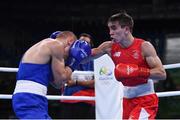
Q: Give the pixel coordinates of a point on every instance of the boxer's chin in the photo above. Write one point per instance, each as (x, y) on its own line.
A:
(114, 40)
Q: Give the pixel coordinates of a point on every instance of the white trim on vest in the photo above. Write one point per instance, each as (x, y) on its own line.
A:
(27, 86)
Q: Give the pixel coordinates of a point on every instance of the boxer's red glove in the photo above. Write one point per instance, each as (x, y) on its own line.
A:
(123, 71)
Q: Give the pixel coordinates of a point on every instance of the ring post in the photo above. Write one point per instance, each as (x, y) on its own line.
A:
(108, 91)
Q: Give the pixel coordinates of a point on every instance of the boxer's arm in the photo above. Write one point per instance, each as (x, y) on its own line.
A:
(61, 73)
(102, 48)
(86, 83)
(157, 71)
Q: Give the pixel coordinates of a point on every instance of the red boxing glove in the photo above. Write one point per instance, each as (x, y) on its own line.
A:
(123, 71)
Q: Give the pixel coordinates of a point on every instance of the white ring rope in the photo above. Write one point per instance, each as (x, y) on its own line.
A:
(56, 97)
(172, 66)
(8, 69)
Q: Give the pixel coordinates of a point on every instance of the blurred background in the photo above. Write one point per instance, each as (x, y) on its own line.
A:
(24, 23)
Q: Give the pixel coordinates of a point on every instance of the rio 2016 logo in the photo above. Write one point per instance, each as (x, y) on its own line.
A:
(105, 71)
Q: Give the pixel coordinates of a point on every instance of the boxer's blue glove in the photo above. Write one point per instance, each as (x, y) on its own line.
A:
(54, 34)
(79, 50)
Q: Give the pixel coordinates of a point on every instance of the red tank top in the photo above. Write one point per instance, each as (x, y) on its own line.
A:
(130, 55)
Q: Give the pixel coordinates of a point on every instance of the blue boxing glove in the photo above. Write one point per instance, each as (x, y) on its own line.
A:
(54, 34)
(79, 50)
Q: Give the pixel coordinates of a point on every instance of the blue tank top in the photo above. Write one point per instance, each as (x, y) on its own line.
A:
(40, 73)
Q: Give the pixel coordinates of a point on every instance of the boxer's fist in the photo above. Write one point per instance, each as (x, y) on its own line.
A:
(78, 51)
(54, 34)
(124, 71)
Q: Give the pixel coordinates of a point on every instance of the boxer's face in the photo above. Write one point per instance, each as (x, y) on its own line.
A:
(117, 33)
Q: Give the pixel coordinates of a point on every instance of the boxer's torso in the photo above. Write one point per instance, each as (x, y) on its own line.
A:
(40, 73)
(130, 55)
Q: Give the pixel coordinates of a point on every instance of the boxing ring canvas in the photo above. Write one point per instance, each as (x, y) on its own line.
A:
(108, 91)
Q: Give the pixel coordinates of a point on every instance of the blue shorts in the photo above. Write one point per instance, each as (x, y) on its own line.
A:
(30, 106)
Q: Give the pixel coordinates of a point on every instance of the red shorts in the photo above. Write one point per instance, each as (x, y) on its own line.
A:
(143, 107)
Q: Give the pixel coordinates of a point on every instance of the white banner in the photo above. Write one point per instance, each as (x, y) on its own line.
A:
(108, 91)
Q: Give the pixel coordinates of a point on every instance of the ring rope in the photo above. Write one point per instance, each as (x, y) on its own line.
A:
(8, 69)
(172, 66)
(56, 97)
